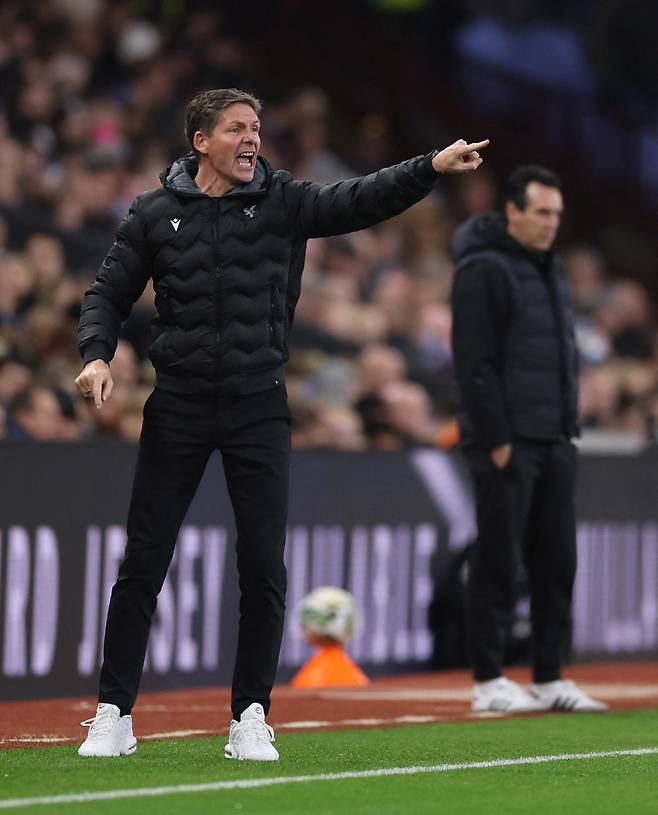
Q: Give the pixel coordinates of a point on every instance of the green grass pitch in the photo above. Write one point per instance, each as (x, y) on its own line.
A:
(616, 785)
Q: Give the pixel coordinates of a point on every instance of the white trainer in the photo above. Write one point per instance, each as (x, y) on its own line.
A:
(564, 694)
(501, 695)
(251, 738)
(110, 733)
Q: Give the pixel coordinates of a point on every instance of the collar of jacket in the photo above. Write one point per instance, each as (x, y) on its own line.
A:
(179, 179)
(488, 231)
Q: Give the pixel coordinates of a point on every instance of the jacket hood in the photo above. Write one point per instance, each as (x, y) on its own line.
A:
(179, 178)
(485, 231)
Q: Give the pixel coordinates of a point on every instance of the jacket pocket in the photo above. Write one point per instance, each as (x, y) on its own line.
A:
(163, 306)
(159, 349)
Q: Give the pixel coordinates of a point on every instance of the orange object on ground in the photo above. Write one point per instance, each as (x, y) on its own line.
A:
(330, 665)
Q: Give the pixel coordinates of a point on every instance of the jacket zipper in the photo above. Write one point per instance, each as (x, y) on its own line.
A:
(273, 294)
(558, 305)
(218, 283)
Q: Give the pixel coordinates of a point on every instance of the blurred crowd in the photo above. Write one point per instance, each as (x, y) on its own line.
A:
(92, 111)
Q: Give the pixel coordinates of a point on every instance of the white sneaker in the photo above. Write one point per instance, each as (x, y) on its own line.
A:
(501, 695)
(110, 733)
(251, 738)
(563, 694)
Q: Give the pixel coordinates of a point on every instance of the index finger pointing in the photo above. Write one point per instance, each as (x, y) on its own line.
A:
(98, 387)
(476, 145)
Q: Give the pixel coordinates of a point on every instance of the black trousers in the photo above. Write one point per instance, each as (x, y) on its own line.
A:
(178, 436)
(525, 514)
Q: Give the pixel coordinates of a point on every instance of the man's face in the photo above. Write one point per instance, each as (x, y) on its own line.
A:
(233, 145)
(535, 227)
(43, 419)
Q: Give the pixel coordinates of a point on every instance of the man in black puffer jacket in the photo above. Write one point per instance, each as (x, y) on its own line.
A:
(515, 360)
(223, 240)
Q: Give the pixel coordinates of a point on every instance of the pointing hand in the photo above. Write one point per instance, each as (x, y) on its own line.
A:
(460, 157)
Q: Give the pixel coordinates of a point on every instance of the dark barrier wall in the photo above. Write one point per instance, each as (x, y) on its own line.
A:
(388, 527)
(616, 592)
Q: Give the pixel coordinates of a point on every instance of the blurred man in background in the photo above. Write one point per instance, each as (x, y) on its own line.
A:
(35, 414)
(224, 240)
(516, 366)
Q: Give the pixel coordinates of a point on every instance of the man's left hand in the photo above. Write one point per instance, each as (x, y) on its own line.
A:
(460, 157)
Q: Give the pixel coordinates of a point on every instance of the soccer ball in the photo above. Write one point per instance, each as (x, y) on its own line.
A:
(328, 616)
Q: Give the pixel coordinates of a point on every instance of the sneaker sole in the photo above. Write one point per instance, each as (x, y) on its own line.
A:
(230, 753)
(125, 751)
(510, 709)
(578, 709)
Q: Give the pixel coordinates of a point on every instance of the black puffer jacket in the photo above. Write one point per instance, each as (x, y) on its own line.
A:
(513, 339)
(227, 271)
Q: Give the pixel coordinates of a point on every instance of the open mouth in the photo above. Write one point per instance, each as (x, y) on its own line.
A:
(246, 159)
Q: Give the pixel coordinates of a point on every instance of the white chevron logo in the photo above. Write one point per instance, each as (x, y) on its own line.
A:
(175, 222)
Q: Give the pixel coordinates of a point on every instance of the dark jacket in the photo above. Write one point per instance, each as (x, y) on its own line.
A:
(227, 271)
(513, 339)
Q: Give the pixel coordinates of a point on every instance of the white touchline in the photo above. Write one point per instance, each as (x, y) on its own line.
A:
(170, 734)
(176, 734)
(602, 690)
(109, 795)
(358, 722)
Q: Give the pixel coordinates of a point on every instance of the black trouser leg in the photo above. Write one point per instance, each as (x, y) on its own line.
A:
(502, 500)
(551, 559)
(256, 454)
(176, 442)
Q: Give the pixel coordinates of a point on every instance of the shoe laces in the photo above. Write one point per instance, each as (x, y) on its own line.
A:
(570, 688)
(102, 723)
(567, 686)
(568, 695)
(508, 686)
(253, 728)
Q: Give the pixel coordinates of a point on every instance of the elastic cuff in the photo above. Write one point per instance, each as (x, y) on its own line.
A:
(97, 350)
(492, 445)
(495, 436)
(426, 169)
